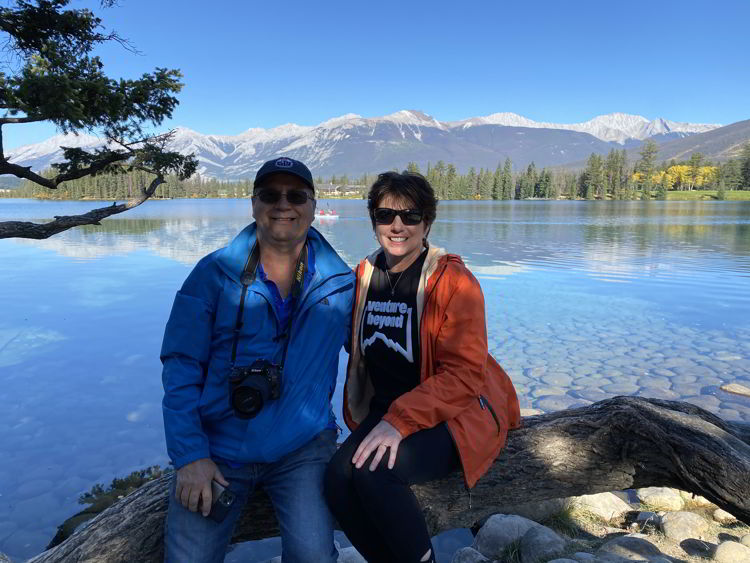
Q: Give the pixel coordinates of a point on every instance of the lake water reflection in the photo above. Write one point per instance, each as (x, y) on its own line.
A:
(585, 300)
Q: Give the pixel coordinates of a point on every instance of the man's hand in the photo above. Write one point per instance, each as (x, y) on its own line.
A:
(382, 437)
(194, 484)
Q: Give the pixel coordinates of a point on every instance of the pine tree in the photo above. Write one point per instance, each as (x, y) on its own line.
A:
(507, 181)
(645, 166)
(592, 178)
(721, 193)
(451, 182)
(497, 183)
(745, 167)
(731, 174)
(663, 187)
(49, 74)
(469, 190)
(694, 163)
(485, 184)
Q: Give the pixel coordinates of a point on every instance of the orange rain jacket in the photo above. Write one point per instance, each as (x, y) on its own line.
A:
(460, 382)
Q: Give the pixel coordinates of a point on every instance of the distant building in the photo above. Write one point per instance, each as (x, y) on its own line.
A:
(339, 190)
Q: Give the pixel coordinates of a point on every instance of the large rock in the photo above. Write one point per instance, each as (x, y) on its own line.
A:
(540, 543)
(745, 540)
(537, 511)
(695, 500)
(633, 547)
(732, 552)
(499, 532)
(661, 498)
(468, 555)
(736, 388)
(583, 557)
(679, 526)
(604, 505)
(723, 517)
(647, 518)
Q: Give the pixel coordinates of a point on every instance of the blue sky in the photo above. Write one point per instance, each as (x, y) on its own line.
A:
(261, 64)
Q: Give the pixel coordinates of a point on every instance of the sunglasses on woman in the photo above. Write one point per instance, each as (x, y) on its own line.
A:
(294, 197)
(385, 216)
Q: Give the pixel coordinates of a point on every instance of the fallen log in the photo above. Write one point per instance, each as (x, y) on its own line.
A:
(615, 444)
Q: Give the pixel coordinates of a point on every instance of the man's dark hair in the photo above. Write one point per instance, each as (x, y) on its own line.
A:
(410, 186)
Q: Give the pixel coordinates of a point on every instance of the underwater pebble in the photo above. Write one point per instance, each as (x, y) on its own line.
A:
(659, 393)
(621, 388)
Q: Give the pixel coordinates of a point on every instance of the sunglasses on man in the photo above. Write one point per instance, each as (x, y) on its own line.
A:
(294, 197)
(385, 216)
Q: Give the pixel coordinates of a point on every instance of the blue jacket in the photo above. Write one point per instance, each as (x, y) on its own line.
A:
(196, 353)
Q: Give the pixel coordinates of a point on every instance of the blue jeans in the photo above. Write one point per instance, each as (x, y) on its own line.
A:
(295, 486)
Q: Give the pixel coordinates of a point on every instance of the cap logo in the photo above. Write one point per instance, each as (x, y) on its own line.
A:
(284, 163)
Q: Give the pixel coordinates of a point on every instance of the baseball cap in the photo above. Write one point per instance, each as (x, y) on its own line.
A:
(286, 166)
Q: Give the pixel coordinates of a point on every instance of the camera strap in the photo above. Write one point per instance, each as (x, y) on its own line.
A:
(248, 277)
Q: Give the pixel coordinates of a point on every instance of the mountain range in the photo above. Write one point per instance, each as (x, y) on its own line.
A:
(351, 144)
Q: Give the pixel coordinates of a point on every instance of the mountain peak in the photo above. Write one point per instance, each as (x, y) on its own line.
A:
(353, 144)
(411, 117)
(340, 120)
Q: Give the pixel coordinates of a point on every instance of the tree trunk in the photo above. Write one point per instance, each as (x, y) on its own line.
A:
(616, 444)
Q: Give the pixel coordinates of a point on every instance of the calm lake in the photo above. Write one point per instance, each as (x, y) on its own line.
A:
(585, 300)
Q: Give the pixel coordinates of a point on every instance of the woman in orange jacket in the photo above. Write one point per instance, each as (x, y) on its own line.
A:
(423, 396)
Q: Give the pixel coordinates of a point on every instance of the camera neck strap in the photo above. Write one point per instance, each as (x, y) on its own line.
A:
(248, 277)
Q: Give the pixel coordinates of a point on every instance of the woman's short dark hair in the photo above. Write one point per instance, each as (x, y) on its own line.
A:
(410, 186)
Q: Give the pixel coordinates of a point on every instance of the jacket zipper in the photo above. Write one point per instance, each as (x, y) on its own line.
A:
(484, 403)
(428, 296)
(309, 292)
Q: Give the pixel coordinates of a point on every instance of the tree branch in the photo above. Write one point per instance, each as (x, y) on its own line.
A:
(6, 120)
(92, 169)
(620, 443)
(52, 183)
(21, 229)
(25, 172)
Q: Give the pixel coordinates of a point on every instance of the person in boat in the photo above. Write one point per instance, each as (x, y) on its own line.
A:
(423, 396)
(250, 357)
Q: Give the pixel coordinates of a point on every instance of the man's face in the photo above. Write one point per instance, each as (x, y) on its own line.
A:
(283, 223)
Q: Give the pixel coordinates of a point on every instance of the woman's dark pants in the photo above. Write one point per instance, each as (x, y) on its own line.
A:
(376, 509)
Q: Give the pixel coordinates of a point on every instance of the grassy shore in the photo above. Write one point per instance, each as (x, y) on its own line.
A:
(708, 195)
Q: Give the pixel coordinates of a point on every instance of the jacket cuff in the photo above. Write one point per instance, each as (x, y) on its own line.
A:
(399, 424)
(183, 460)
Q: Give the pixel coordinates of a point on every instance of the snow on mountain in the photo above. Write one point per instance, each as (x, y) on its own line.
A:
(506, 119)
(52, 145)
(186, 141)
(342, 120)
(660, 126)
(411, 117)
(613, 127)
(350, 142)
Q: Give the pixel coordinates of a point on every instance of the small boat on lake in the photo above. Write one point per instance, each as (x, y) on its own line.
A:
(326, 214)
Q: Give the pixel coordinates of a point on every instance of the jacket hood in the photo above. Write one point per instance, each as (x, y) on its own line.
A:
(232, 258)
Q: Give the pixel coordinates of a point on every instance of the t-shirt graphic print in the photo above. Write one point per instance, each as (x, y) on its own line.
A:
(389, 332)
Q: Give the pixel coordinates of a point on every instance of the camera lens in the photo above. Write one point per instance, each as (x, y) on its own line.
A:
(247, 401)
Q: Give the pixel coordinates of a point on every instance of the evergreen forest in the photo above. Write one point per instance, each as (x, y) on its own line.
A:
(613, 176)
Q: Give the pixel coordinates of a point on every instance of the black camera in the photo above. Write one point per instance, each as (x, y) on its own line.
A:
(251, 386)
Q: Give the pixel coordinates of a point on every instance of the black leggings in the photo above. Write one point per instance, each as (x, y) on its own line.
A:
(376, 509)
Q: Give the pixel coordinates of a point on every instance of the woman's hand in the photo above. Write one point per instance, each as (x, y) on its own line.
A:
(383, 436)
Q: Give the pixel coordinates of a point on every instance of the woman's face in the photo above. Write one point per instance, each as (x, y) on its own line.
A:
(402, 243)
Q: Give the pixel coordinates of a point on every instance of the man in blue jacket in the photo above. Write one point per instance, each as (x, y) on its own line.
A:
(250, 357)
